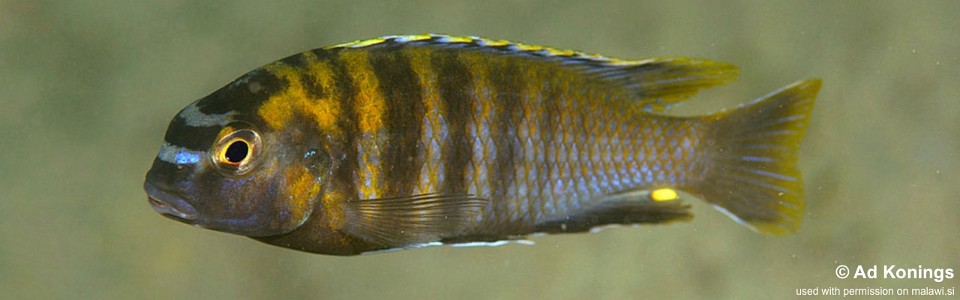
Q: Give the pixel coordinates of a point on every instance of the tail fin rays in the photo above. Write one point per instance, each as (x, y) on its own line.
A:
(751, 174)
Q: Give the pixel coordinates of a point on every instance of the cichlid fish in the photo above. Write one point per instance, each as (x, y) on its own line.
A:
(410, 141)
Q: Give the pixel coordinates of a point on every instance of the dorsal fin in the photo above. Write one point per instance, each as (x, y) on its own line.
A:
(657, 82)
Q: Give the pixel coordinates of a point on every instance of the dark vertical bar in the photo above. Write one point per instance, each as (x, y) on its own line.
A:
(347, 139)
(401, 91)
(549, 120)
(507, 85)
(455, 83)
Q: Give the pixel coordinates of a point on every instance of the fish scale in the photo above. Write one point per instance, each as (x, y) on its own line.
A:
(407, 141)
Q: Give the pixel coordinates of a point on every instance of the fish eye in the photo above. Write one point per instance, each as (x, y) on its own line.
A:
(236, 150)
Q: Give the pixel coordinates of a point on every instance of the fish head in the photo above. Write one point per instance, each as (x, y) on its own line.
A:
(221, 168)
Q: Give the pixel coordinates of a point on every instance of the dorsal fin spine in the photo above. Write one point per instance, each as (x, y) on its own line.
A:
(502, 45)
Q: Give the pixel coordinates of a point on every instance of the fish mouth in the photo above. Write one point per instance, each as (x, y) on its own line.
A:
(169, 205)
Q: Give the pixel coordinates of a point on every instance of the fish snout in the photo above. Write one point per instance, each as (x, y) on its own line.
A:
(169, 205)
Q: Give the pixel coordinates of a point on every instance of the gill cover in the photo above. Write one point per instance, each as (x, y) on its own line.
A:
(220, 169)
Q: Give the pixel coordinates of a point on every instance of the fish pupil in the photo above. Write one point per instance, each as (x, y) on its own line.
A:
(237, 151)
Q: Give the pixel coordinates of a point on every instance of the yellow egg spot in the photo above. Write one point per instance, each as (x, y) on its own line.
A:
(664, 195)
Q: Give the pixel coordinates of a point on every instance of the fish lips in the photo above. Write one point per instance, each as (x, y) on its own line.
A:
(169, 205)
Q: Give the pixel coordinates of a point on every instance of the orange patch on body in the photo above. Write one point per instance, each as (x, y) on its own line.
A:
(370, 109)
(280, 108)
(333, 202)
(369, 103)
(302, 189)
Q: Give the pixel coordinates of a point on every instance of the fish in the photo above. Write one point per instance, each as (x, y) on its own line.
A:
(408, 141)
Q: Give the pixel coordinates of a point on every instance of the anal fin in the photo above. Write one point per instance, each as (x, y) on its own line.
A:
(404, 221)
(634, 207)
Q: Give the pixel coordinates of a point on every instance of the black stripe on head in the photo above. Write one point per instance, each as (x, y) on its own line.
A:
(190, 137)
(507, 84)
(401, 91)
(243, 95)
(455, 81)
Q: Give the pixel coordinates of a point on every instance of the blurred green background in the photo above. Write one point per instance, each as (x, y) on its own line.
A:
(87, 89)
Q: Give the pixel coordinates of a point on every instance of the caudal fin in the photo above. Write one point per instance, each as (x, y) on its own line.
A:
(751, 171)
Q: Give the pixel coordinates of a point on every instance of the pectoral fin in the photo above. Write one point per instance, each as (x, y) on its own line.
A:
(406, 221)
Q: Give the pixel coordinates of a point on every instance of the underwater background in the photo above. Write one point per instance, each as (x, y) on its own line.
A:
(87, 89)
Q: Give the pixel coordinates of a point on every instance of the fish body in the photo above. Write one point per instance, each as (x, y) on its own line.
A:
(405, 141)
